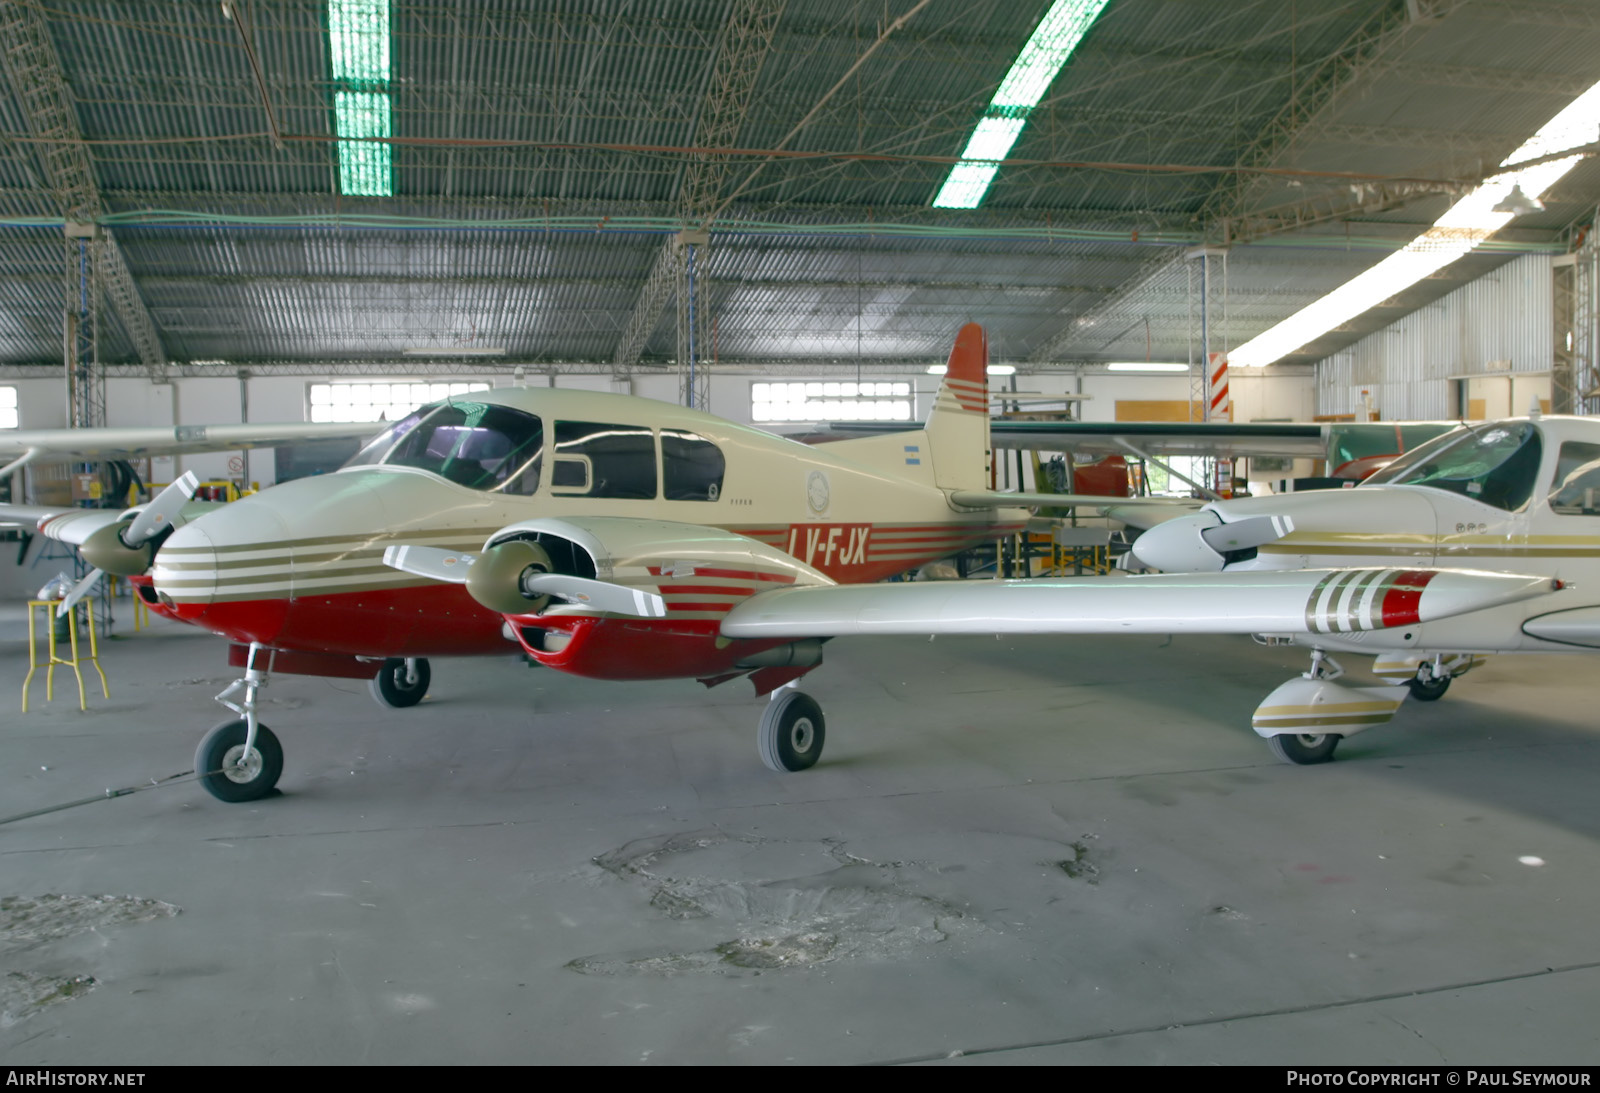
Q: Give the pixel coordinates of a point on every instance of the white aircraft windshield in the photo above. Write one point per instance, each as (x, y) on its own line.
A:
(1496, 464)
(474, 444)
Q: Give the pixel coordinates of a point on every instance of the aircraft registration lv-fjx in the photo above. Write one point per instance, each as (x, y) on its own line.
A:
(625, 539)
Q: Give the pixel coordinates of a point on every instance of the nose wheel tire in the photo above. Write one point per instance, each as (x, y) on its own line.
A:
(391, 686)
(1304, 748)
(231, 774)
(792, 732)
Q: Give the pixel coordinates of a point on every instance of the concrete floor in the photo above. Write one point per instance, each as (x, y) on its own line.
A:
(1016, 851)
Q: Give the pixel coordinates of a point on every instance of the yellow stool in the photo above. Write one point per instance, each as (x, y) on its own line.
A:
(141, 613)
(48, 609)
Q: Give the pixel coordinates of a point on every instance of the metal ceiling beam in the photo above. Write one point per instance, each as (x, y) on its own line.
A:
(36, 79)
(1317, 94)
(743, 47)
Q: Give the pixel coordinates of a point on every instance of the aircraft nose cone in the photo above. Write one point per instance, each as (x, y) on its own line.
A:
(223, 553)
(1176, 546)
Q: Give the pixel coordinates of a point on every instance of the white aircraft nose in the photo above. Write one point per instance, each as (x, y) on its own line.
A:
(231, 547)
(1176, 546)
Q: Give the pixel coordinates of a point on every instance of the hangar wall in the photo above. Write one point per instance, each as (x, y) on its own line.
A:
(1502, 322)
(204, 400)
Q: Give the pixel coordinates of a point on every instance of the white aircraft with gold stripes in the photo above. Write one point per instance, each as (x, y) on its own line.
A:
(1518, 497)
(623, 538)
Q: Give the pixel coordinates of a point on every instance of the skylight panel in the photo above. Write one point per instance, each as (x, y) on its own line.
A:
(1460, 230)
(358, 50)
(1031, 74)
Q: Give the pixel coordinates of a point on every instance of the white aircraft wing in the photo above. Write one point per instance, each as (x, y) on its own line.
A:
(66, 445)
(1219, 439)
(1272, 602)
(994, 499)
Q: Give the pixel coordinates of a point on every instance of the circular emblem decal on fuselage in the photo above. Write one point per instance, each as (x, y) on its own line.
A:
(817, 492)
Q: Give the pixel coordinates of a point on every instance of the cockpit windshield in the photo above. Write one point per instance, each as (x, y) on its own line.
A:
(475, 444)
(1496, 464)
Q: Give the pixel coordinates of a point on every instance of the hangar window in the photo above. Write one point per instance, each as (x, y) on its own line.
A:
(691, 466)
(1575, 491)
(593, 459)
(828, 401)
(8, 408)
(335, 402)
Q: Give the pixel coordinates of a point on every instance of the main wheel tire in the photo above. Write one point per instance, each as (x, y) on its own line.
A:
(1428, 690)
(792, 732)
(389, 686)
(227, 773)
(1304, 748)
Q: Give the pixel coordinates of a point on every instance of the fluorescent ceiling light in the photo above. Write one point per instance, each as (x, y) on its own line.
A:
(456, 351)
(358, 49)
(1146, 366)
(993, 369)
(1468, 223)
(1031, 75)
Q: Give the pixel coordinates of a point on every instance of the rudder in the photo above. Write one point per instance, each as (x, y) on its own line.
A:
(958, 425)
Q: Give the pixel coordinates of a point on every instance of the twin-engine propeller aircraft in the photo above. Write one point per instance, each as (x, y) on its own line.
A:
(622, 538)
(1519, 497)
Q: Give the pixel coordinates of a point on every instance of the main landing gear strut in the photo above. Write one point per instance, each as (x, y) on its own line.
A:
(240, 760)
(400, 682)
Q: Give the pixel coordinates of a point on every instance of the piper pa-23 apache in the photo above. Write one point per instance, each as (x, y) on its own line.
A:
(622, 538)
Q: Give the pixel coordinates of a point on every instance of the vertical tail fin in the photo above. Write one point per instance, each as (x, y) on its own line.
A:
(958, 426)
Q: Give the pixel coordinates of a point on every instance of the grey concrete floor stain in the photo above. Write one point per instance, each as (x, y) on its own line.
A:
(851, 908)
(23, 994)
(30, 922)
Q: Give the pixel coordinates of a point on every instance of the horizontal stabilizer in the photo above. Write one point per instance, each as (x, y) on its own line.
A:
(1276, 601)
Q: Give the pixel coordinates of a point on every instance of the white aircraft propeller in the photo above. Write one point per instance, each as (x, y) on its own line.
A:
(1244, 534)
(164, 511)
(452, 566)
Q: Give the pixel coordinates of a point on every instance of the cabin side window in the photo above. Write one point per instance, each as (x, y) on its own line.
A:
(1575, 490)
(692, 467)
(595, 459)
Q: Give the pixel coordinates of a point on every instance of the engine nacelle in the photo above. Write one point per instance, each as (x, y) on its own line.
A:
(627, 552)
(1177, 546)
(104, 549)
(1315, 706)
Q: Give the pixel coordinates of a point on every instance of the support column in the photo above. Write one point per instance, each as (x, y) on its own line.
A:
(694, 379)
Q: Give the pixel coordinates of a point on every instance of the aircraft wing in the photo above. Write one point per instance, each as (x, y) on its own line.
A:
(67, 445)
(1271, 602)
(994, 499)
(1220, 439)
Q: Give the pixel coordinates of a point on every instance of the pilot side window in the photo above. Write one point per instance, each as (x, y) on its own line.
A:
(1575, 490)
(593, 459)
(691, 467)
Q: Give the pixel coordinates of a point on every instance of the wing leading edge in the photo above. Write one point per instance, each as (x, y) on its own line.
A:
(1298, 601)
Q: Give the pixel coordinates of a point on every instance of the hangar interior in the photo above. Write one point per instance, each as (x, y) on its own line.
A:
(1019, 849)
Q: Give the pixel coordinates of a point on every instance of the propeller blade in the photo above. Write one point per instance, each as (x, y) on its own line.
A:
(433, 562)
(614, 598)
(162, 512)
(79, 591)
(1244, 534)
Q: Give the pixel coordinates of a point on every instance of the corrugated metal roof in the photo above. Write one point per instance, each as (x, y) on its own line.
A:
(542, 151)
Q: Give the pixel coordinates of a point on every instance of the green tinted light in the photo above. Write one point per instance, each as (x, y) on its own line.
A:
(358, 49)
(1031, 74)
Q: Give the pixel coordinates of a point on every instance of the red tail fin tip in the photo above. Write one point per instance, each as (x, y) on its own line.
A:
(967, 374)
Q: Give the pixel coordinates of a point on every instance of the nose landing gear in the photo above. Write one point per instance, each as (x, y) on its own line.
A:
(241, 760)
